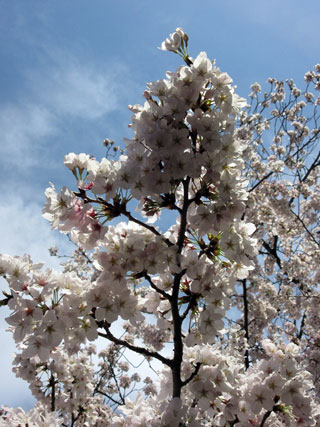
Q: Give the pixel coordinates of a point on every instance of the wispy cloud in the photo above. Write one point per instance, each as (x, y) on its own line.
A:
(23, 230)
(67, 89)
(76, 89)
(23, 128)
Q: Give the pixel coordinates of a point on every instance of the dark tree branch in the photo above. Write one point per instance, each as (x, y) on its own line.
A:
(153, 286)
(272, 251)
(265, 417)
(246, 321)
(306, 228)
(192, 303)
(52, 384)
(259, 182)
(177, 320)
(111, 398)
(299, 336)
(194, 373)
(131, 347)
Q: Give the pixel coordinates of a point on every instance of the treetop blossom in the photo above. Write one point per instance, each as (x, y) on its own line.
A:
(176, 40)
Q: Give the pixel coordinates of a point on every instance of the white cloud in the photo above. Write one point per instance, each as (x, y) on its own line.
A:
(76, 89)
(23, 230)
(57, 87)
(23, 128)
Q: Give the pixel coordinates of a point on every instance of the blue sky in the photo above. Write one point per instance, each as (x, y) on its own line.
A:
(69, 69)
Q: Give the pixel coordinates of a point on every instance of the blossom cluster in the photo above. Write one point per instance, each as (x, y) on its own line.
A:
(222, 392)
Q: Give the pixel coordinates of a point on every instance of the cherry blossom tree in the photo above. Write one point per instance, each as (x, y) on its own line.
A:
(223, 293)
